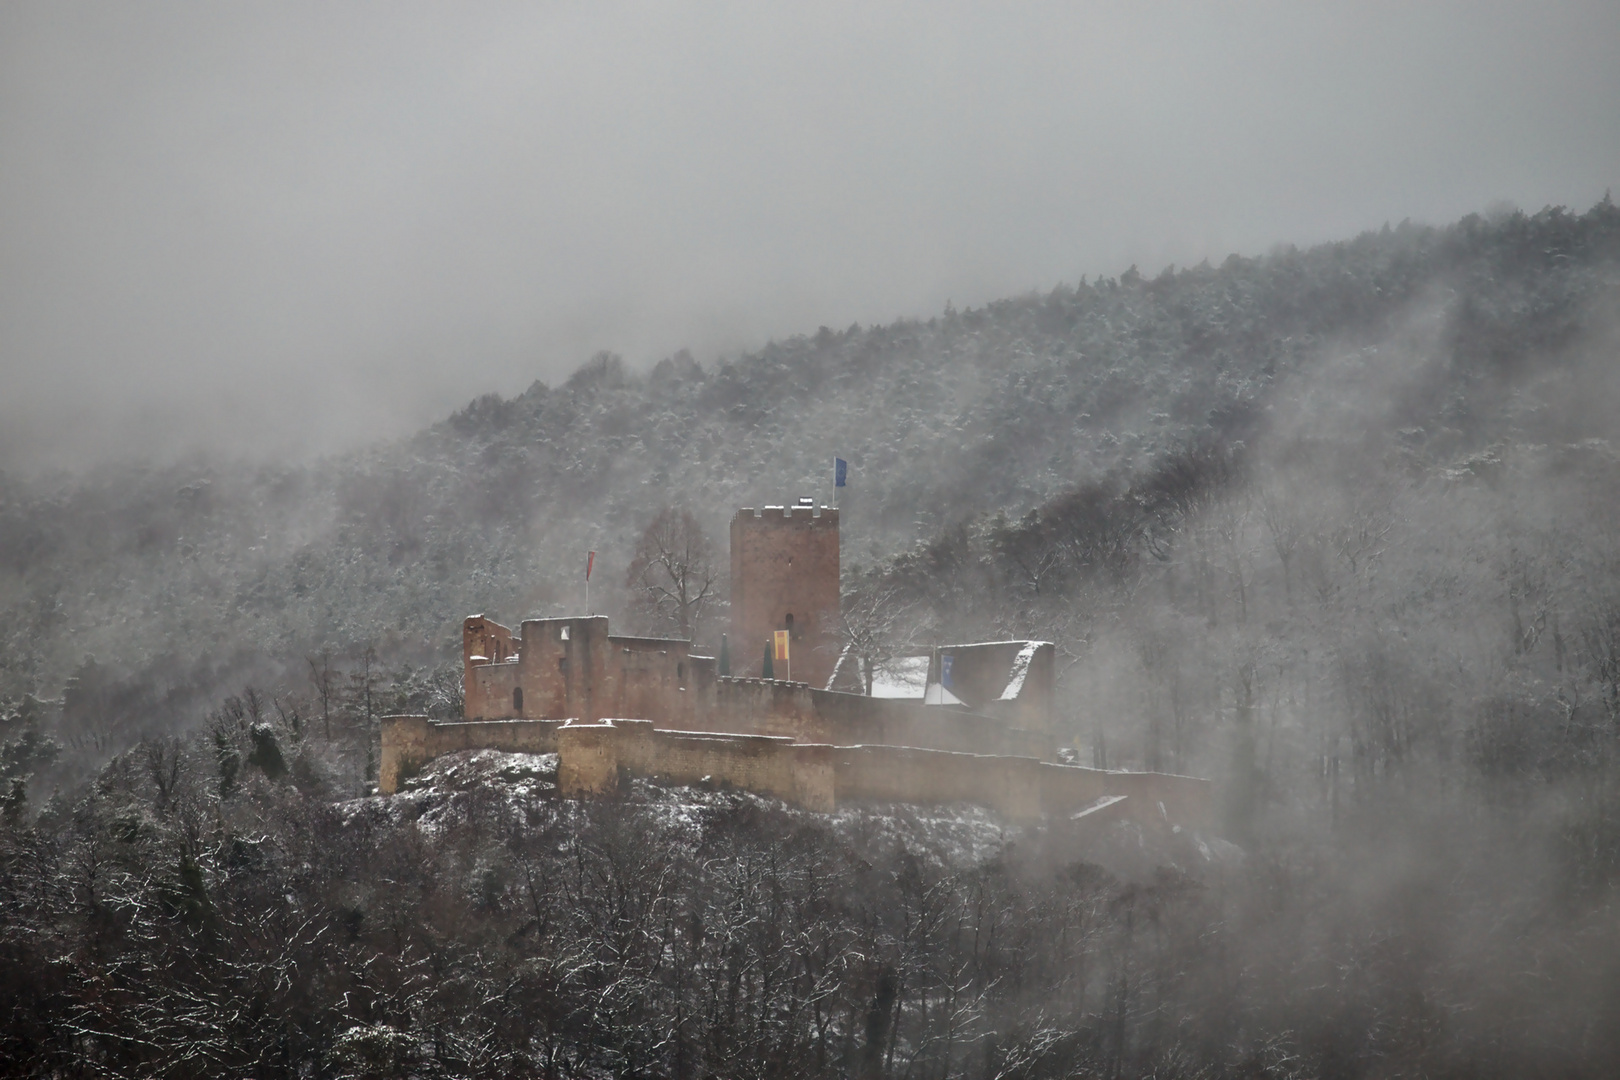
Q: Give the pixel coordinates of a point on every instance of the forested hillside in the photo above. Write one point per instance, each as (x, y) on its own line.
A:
(1337, 528)
(226, 567)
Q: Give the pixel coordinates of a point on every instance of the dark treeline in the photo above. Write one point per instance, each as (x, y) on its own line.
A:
(50, 747)
(195, 917)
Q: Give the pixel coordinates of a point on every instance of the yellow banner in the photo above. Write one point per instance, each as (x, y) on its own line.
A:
(781, 645)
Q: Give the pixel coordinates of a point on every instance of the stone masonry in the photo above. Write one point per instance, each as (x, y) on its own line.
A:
(785, 576)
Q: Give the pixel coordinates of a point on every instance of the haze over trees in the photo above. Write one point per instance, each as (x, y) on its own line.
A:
(1337, 528)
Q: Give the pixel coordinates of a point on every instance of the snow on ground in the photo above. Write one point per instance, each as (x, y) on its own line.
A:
(524, 774)
(902, 677)
(446, 790)
(441, 787)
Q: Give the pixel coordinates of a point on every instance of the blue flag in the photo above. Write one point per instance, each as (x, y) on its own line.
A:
(840, 471)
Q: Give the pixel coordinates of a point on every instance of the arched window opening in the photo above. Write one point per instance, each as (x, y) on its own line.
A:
(517, 699)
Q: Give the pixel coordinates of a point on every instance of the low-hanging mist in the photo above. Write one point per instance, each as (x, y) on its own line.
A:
(1334, 527)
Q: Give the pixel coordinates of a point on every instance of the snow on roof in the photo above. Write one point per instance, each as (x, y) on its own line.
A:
(981, 644)
(1020, 671)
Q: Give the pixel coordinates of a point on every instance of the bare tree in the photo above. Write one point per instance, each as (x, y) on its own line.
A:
(363, 686)
(320, 677)
(164, 759)
(870, 622)
(1231, 527)
(1600, 644)
(673, 572)
(1286, 530)
(446, 694)
(363, 699)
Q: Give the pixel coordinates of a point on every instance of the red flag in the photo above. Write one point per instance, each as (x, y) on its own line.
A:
(782, 644)
(590, 561)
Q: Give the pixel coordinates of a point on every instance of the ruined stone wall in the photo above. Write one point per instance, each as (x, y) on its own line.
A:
(937, 777)
(799, 711)
(489, 692)
(587, 760)
(565, 667)
(794, 772)
(650, 680)
(592, 757)
(1017, 787)
(1068, 788)
(754, 763)
(755, 707)
(481, 637)
(702, 674)
(573, 669)
(785, 561)
(849, 719)
(404, 748)
(484, 641)
(543, 665)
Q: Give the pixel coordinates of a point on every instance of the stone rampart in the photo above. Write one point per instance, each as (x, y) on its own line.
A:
(593, 758)
(587, 760)
(1019, 787)
(799, 711)
(756, 707)
(901, 774)
(851, 719)
(798, 773)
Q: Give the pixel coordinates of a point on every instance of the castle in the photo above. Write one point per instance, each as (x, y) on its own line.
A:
(978, 729)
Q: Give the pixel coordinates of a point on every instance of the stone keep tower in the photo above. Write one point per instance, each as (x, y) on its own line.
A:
(785, 576)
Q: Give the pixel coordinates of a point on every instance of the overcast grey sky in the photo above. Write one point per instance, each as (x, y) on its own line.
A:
(286, 228)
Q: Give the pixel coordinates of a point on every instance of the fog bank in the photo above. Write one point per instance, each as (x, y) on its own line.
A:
(293, 228)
